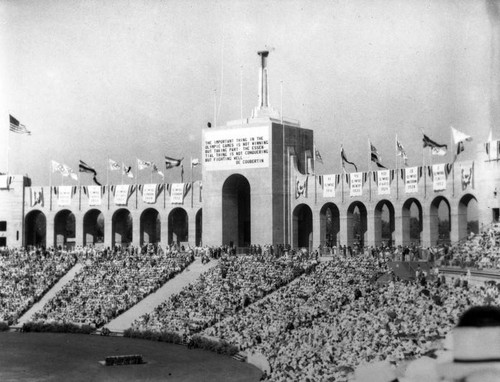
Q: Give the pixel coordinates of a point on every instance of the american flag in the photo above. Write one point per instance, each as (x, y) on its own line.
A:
(16, 127)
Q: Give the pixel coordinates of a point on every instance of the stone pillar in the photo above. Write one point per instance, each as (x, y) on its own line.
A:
(164, 227)
(345, 222)
(50, 233)
(136, 229)
(79, 229)
(398, 228)
(372, 229)
(192, 227)
(108, 229)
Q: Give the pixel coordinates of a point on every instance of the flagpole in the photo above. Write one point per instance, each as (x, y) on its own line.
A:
(397, 169)
(215, 108)
(137, 170)
(107, 173)
(192, 187)
(342, 170)
(241, 94)
(8, 147)
(283, 165)
(369, 169)
(50, 186)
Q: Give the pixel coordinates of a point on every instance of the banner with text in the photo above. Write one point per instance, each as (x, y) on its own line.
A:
(356, 184)
(438, 177)
(177, 193)
(95, 198)
(121, 194)
(384, 182)
(234, 149)
(64, 195)
(149, 193)
(411, 180)
(328, 186)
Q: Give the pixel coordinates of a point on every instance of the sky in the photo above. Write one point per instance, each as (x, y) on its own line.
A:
(136, 79)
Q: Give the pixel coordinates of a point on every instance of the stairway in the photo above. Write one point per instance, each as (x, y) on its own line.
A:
(51, 293)
(173, 286)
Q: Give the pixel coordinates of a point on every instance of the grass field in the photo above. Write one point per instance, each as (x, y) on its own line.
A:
(31, 357)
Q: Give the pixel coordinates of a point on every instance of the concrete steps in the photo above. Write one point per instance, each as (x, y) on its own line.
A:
(51, 293)
(173, 286)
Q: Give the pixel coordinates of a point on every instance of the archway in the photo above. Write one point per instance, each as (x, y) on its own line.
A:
(35, 229)
(384, 223)
(64, 229)
(467, 216)
(236, 220)
(150, 227)
(121, 227)
(178, 228)
(93, 227)
(302, 226)
(199, 232)
(329, 220)
(440, 221)
(357, 219)
(411, 221)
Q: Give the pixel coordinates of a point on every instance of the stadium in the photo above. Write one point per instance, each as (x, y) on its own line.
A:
(266, 267)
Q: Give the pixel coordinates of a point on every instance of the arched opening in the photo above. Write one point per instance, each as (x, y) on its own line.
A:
(178, 228)
(150, 227)
(93, 227)
(357, 219)
(384, 223)
(440, 221)
(199, 221)
(302, 227)
(468, 220)
(36, 229)
(412, 223)
(122, 227)
(64, 229)
(329, 220)
(236, 221)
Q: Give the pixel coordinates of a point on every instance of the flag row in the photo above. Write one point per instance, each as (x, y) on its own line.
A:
(119, 193)
(436, 149)
(113, 165)
(383, 180)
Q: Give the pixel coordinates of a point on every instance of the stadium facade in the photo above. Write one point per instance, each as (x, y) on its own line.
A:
(259, 186)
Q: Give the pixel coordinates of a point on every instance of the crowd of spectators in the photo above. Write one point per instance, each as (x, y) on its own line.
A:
(234, 283)
(25, 276)
(480, 251)
(110, 282)
(321, 327)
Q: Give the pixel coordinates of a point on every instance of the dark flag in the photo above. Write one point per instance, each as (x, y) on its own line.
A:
(436, 148)
(16, 127)
(344, 159)
(84, 167)
(375, 156)
(171, 162)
